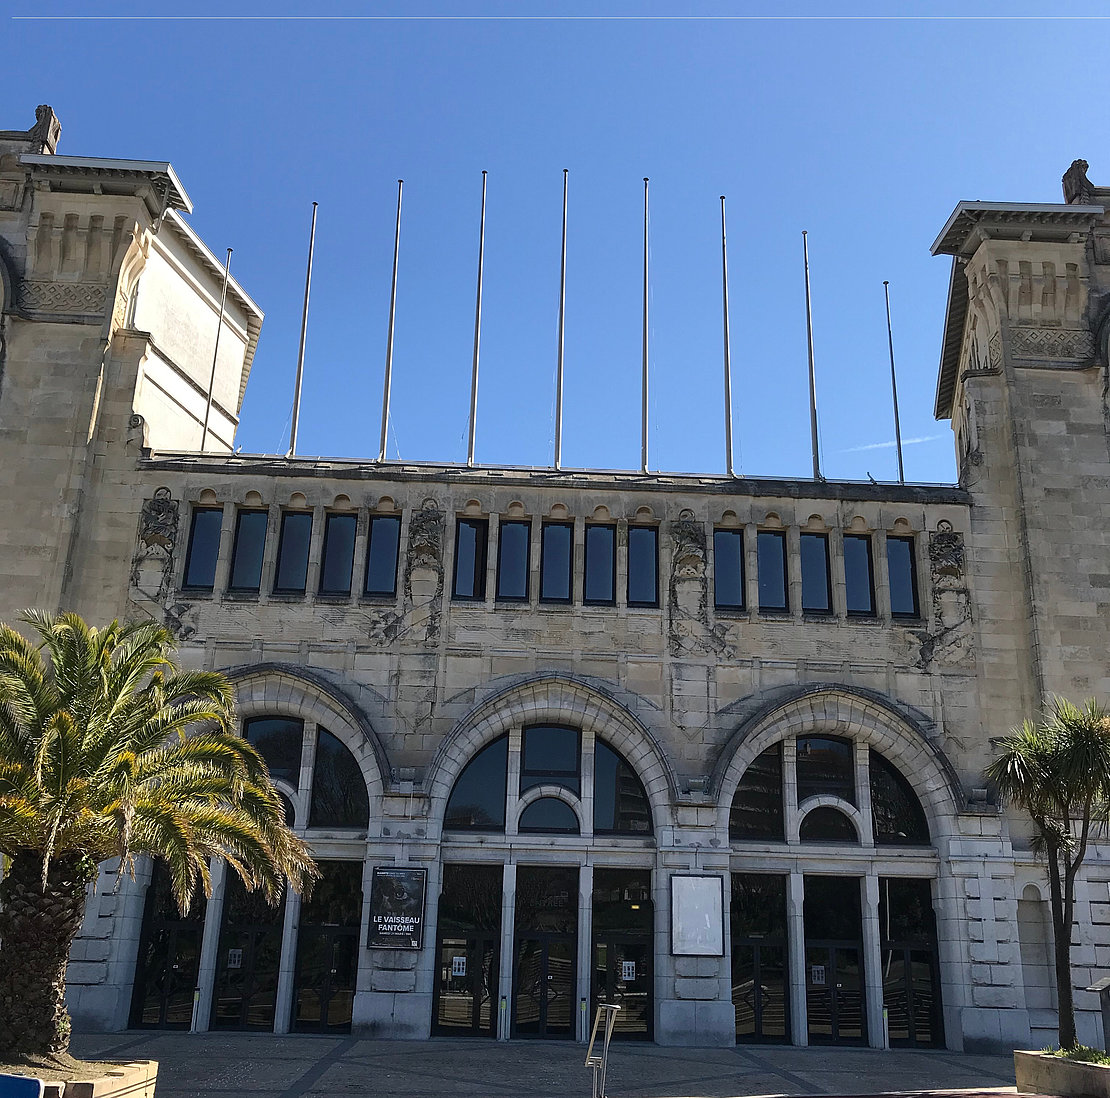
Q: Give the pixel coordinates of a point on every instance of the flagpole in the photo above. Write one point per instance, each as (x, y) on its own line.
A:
(477, 330)
(389, 338)
(644, 382)
(304, 334)
(728, 370)
(894, 386)
(562, 333)
(215, 353)
(812, 376)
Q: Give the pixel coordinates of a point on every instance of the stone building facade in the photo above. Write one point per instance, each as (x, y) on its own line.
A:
(708, 746)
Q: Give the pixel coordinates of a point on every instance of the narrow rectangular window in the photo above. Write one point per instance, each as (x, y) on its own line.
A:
(859, 574)
(384, 543)
(470, 559)
(601, 565)
(728, 569)
(204, 548)
(338, 556)
(903, 577)
(771, 550)
(815, 573)
(643, 566)
(556, 543)
(246, 557)
(513, 542)
(291, 573)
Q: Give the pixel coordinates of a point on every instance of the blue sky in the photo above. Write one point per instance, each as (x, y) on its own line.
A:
(863, 131)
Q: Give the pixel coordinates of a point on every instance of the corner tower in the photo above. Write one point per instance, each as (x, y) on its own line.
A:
(1024, 381)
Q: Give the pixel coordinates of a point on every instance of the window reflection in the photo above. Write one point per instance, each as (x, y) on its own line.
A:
(902, 577)
(278, 740)
(815, 573)
(204, 548)
(339, 797)
(896, 812)
(549, 755)
(728, 569)
(381, 555)
(601, 564)
(555, 561)
(470, 559)
(291, 573)
(827, 825)
(477, 801)
(620, 803)
(338, 554)
(757, 807)
(771, 547)
(643, 566)
(550, 815)
(859, 574)
(512, 560)
(246, 557)
(826, 765)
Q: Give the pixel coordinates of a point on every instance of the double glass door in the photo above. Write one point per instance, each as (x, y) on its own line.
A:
(835, 1007)
(623, 949)
(760, 984)
(911, 972)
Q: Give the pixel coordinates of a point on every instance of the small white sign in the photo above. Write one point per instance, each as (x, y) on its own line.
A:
(817, 975)
(628, 970)
(234, 958)
(458, 966)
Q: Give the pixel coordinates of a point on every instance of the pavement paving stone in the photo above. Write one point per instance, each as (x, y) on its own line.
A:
(223, 1065)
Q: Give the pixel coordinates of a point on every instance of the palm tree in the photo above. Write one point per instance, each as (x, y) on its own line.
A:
(109, 750)
(1058, 772)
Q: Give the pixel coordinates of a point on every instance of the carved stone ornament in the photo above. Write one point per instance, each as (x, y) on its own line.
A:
(152, 565)
(951, 639)
(1067, 344)
(689, 629)
(1077, 187)
(63, 297)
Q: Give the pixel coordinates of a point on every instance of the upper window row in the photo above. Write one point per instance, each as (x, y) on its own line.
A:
(557, 580)
(337, 553)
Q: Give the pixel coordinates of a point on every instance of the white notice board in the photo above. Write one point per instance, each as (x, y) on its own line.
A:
(697, 916)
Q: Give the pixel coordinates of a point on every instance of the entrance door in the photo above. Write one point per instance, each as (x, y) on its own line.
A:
(468, 945)
(835, 1008)
(759, 974)
(169, 958)
(623, 918)
(911, 973)
(545, 952)
(245, 993)
(327, 951)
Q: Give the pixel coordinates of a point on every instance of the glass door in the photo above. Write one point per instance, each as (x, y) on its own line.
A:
(911, 971)
(760, 986)
(623, 949)
(834, 961)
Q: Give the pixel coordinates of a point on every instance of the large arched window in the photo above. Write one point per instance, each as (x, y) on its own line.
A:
(757, 807)
(549, 755)
(899, 819)
(337, 795)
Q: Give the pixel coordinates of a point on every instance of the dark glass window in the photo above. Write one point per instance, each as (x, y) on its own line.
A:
(246, 557)
(620, 803)
(204, 548)
(339, 797)
(555, 561)
(292, 557)
(906, 911)
(477, 802)
(903, 577)
(758, 905)
(551, 815)
(278, 740)
(336, 899)
(549, 755)
(601, 564)
(381, 555)
(757, 807)
(728, 569)
(470, 559)
(826, 765)
(338, 555)
(859, 574)
(815, 573)
(895, 810)
(513, 540)
(622, 901)
(643, 566)
(771, 547)
(831, 909)
(827, 825)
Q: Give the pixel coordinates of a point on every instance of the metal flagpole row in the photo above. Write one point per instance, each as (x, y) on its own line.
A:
(304, 333)
(812, 377)
(728, 370)
(392, 317)
(215, 352)
(562, 333)
(477, 331)
(644, 383)
(894, 386)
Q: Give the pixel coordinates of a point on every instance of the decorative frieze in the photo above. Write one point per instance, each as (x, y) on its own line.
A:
(85, 298)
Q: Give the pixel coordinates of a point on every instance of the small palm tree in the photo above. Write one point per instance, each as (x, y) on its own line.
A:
(1058, 772)
(108, 750)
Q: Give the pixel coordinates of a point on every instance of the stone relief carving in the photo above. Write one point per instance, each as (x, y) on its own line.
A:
(63, 297)
(1077, 187)
(690, 632)
(152, 564)
(1052, 343)
(422, 601)
(950, 641)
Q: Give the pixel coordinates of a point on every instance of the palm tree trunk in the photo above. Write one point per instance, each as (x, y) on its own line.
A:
(37, 928)
(1061, 943)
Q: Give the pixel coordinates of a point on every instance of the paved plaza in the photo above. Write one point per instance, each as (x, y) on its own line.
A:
(247, 1066)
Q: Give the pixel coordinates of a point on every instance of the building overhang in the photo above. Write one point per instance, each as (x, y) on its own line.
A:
(970, 224)
(107, 176)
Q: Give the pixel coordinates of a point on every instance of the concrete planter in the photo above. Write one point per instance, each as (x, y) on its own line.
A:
(1038, 1073)
(130, 1079)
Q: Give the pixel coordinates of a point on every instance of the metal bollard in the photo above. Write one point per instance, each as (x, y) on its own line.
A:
(606, 1017)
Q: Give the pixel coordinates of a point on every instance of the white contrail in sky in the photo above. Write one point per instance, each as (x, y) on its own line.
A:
(890, 445)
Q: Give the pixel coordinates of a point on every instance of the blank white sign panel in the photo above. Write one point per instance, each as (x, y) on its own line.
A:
(697, 917)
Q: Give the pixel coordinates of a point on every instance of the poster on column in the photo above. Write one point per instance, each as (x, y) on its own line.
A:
(697, 916)
(397, 908)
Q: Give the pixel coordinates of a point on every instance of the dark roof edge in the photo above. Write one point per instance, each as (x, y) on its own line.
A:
(955, 319)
